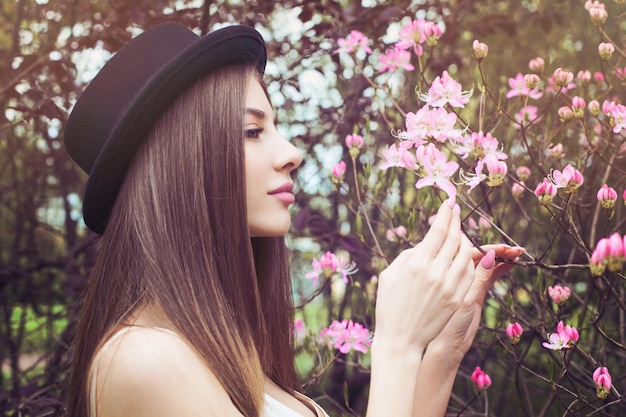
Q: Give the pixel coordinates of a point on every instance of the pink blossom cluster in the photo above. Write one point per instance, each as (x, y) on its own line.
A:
(610, 252)
(570, 179)
(597, 12)
(488, 155)
(353, 42)
(524, 86)
(564, 338)
(481, 380)
(346, 336)
(329, 265)
(602, 379)
(616, 113)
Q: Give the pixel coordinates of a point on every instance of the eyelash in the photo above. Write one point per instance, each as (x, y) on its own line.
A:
(254, 133)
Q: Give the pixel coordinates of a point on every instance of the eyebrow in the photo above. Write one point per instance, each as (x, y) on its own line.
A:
(260, 114)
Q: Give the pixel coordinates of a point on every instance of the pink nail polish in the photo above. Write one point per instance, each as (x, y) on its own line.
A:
(488, 260)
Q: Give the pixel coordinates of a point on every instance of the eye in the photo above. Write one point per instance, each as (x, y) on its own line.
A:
(254, 133)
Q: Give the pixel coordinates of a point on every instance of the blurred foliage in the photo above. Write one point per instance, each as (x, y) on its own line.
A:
(45, 250)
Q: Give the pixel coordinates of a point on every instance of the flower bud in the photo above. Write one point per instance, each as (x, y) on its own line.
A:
(559, 294)
(594, 108)
(556, 151)
(578, 107)
(598, 14)
(480, 50)
(565, 113)
(338, 172)
(514, 332)
(531, 80)
(354, 142)
(607, 196)
(537, 65)
(545, 192)
(481, 380)
(523, 173)
(517, 190)
(562, 78)
(584, 76)
(602, 379)
(496, 171)
(606, 50)
(624, 198)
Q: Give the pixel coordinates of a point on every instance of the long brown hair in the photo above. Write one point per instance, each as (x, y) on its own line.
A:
(178, 239)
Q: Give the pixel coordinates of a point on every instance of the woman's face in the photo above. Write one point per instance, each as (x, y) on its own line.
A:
(269, 160)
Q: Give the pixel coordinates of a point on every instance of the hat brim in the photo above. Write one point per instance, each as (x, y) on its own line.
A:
(230, 45)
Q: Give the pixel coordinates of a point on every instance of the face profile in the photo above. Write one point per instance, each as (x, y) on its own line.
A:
(269, 161)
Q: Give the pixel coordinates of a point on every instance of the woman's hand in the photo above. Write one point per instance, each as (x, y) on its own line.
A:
(425, 285)
(457, 336)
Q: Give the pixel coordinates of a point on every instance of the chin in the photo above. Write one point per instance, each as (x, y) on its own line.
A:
(270, 230)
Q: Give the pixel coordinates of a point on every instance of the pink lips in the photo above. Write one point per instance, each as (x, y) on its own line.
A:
(284, 193)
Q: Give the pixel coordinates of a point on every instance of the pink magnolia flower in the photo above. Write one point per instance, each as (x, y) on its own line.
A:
(437, 169)
(445, 90)
(395, 156)
(607, 196)
(570, 178)
(480, 50)
(354, 41)
(329, 265)
(564, 338)
(520, 88)
(545, 192)
(481, 380)
(537, 65)
(559, 294)
(602, 379)
(394, 59)
(346, 336)
(514, 332)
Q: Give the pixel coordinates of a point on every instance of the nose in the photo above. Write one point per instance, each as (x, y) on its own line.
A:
(287, 155)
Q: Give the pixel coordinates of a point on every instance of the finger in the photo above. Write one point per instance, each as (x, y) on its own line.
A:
(483, 277)
(436, 235)
(450, 246)
(462, 267)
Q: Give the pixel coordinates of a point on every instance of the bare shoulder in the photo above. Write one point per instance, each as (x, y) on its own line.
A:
(150, 372)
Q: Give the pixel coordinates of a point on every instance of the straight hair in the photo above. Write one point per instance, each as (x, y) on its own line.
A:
(177, 239)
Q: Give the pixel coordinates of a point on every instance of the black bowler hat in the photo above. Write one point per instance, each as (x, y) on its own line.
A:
(120, 105)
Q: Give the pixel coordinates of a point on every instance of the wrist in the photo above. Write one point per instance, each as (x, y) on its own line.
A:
(386, 351)
(447, 358)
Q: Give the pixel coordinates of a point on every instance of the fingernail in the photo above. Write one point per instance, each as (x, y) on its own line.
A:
(456, 209)
(488, 260)
(451, 201)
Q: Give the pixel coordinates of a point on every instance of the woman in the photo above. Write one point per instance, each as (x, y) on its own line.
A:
(188, 309)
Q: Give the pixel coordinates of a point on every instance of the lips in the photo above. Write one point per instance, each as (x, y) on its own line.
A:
(284, 193)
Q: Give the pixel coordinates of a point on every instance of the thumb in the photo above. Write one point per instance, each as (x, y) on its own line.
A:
(482, 277)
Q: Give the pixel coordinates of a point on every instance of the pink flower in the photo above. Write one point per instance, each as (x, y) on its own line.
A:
(338, 172)
(514, 332)
(537, 65)
(602, 379)
(481, 380)
(299, 330)
(545, 192)
(437, 169)
(570, 179)
(525, 116)
(411, 36)
(346, 336)
(523, 173)
(432, 32)
(564, 338)
(606, 50)
(392, 235)
(607, 196)
(584, 76)
(556, 151)
(594, 108)
(559, 294)
(328, 265)
(563, 78)
(597, 12)
(517, 189)
(429, 124)
(618, 118)
(445, 90)
(578, 107)
(480, 50)
(624, 198)
(565, 113)
(354, 141)
(354, 41)
(394, 59)
(520, 88)
(496, 171)
(397, 157)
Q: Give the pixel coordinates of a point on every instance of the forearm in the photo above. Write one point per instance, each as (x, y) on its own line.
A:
(393, 381)
(434, 382)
